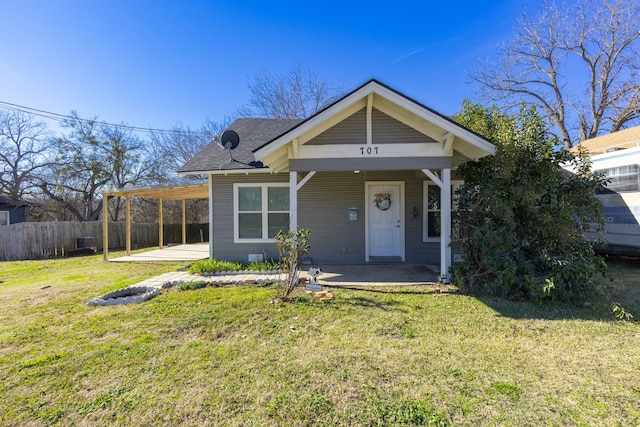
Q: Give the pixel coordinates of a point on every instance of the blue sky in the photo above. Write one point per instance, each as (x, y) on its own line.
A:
(156, 64)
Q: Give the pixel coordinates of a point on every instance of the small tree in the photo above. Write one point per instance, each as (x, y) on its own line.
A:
(521, 218)
(292, 245)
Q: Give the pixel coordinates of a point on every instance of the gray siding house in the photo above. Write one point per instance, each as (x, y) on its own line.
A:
(371, 176)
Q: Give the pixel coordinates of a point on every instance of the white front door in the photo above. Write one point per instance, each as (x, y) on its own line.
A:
(385, 224)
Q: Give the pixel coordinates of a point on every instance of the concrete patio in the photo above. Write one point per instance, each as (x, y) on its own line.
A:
(332, 275)
(191, 252)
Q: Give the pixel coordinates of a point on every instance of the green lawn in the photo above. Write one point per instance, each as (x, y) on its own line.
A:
(227, 356)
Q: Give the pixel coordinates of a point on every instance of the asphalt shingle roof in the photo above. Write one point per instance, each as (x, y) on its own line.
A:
(626, 138)
(253, 133)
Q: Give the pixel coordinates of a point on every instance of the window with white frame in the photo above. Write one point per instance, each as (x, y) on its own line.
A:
(432, 207)
(260, 211)
(4, 218)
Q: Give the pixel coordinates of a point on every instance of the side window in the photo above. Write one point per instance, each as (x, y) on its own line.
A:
(4, 218)
(622, 178)
(432, 207)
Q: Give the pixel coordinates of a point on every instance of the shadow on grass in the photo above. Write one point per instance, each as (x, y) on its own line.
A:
(394, 290)
(549, 310)
(388, 305)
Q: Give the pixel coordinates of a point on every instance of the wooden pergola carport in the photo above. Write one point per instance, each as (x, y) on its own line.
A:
(177, 192)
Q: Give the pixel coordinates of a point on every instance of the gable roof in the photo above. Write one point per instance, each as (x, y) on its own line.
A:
(268, 139)
(626, 138)
(253, 133)
(404, 109)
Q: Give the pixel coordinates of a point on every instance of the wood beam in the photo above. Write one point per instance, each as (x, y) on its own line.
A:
(105, 228)
(433, 177)
(305, 179)
(448, 144)
(369, 119)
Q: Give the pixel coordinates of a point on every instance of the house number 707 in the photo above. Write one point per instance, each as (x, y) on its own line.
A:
(368, 150)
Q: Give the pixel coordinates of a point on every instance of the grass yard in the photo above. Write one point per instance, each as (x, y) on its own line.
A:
(227, 356)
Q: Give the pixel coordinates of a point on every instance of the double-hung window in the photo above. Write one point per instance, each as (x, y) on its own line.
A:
(432, 207)
(260, 211)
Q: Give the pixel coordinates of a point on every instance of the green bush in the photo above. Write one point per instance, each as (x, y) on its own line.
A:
(191, 286)
(217, 266)
(213, 266)
(521, 219)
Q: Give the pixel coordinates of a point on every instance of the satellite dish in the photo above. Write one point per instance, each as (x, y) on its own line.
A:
(229, 139)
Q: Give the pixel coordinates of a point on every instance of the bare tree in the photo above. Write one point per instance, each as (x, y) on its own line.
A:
(295, 95)
(173, 149)
(92, 157)
(25, 146)
(579, 63)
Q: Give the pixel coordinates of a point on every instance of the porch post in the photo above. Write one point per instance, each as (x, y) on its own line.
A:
(445, 225)
(105, 227)
(128, 225)
(184, 222)
(211, 234)
(293, 201)
(160, 230)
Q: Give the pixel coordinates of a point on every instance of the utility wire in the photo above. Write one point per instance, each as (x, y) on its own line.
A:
(62, 117)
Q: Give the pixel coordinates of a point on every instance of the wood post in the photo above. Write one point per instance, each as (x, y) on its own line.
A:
(184, 222)
(160, 230)
(128, 226)
(105, 228)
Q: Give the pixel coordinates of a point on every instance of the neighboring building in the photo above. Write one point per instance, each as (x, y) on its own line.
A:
(371, 176)
(12, 211)
(617, 156)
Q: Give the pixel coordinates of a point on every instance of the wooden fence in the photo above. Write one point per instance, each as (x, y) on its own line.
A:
(38, 240)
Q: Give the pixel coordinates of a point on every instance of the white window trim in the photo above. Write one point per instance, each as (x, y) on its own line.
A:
(264, 211)
(425, 206)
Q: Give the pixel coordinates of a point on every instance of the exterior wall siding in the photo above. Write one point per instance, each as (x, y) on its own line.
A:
(384, 130)
(352, 130)
(387, 130)
(323, 207)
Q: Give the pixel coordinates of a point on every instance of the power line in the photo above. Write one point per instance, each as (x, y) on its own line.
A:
(62, 117)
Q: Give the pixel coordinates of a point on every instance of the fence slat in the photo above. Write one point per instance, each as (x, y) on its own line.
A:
(37, 240)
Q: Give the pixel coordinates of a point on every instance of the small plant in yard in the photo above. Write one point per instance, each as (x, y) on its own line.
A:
(292, 245)
(216, 266)
(191, 286)
(213, 266)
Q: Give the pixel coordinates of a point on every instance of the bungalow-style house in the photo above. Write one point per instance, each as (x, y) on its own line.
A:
(371, 176)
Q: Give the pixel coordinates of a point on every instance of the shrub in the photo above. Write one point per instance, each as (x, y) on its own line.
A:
(213, 266)
(521, 218)
(216, 266)
(292, 245)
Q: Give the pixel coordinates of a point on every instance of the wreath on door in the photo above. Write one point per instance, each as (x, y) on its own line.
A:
(382, 201)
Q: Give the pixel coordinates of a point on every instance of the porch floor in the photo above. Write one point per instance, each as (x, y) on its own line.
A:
(376, 275)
